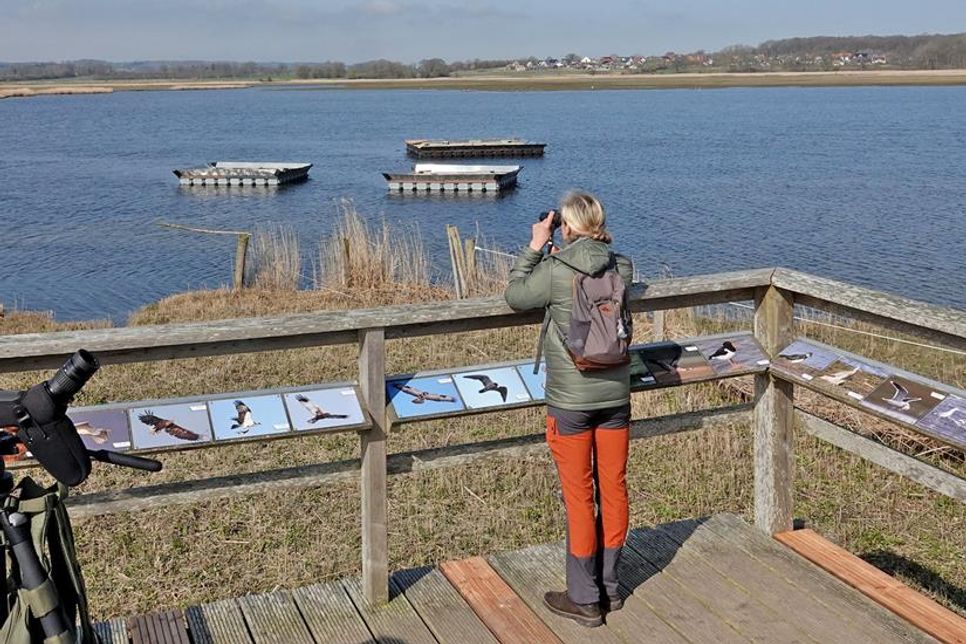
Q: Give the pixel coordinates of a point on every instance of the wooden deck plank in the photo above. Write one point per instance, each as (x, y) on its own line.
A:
(533, 571)
(871, 618)
(219, 622)
(719, 593)
(503, 612)
(393, 622)
(273, 618)
(164, 627)
(441, 607)
(923, 612)
(768, 588)
(113, 631)
(643, 585)
(330, 614)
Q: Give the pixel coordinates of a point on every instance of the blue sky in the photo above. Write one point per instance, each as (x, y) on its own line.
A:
(408, 30)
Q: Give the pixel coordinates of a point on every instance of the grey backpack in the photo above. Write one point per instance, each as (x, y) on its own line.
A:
(600, 323)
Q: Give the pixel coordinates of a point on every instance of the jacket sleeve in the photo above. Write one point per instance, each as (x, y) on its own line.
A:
(529, 285)
(625, 269)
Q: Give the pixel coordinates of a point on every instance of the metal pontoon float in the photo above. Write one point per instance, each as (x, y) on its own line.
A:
(441, 148)
(441, 177)
(243, 173)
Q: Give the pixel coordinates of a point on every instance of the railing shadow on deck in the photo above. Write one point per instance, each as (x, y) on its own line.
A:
(898, 565)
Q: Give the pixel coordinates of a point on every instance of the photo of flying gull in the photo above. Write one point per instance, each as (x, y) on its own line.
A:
(671, 363)
(488, 385)
(102, 428)
(324, 408)
(536, 382)
(248, 417)
(804, 358)
(903, 399)
(947, 421)
(170, 425)
(856, 378)
(738, 353)
(483, 388)
(423, 396)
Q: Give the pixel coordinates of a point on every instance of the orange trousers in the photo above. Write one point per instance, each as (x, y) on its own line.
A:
(592, 466)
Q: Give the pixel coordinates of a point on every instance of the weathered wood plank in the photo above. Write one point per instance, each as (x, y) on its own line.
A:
(234, 486)
(330, 614)
(533, 571)
(373, 478)
(873, 619)
(503, 612)
(774, 457)
(220, 622)
(441, 607)
(729, 602)
(392, 621)
(165, 627)
(113, 631)
(919, 610)
(911, 468)
(808, 614)
(163, 342)
(942, 324)
(273, 618)
(653, 600)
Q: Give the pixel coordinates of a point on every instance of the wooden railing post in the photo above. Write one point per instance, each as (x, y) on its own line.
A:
(375, 535)
(774, 416)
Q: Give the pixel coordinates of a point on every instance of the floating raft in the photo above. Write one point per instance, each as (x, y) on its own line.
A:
(243, 173)
(440, 177)
(428, 149)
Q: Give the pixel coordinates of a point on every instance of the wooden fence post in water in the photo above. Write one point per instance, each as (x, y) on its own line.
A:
(241, 248)
(774, 416)
(375, 534)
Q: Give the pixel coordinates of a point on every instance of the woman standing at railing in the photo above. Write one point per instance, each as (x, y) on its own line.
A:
(588, 411)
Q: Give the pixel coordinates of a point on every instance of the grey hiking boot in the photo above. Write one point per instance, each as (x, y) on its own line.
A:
(584, 614)
(611, 604)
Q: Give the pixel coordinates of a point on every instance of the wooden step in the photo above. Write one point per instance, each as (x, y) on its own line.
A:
(503, 612)
(916, 608)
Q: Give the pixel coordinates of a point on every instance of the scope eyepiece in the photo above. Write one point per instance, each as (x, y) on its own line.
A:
(72, 377)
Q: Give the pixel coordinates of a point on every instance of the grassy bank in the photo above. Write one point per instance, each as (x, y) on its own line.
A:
(188, 554)
(520, 81)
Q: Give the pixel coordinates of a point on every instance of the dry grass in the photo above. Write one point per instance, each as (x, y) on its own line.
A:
(189, 554)
(275, 259)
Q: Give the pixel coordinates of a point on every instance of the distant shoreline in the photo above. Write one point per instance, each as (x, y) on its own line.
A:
(519, 82)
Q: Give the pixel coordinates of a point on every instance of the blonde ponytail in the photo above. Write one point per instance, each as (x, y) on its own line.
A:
(585, 216)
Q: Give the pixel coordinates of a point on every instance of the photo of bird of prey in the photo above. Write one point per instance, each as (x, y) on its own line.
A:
(156, 424)
(316, 412)
(420, 396)
(900, 399)
(97, 434)
(488, 384)
(243, 420)
(838, 378)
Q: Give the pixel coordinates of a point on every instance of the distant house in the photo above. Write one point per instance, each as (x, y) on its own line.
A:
(587, 60)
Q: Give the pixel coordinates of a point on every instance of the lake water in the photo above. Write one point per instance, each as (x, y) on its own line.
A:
(862, 184)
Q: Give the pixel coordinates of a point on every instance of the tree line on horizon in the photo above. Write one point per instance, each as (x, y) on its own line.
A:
(930, 51)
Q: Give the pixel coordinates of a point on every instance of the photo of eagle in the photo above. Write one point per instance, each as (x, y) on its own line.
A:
(243, 419)
(420, 396)
(157, 424)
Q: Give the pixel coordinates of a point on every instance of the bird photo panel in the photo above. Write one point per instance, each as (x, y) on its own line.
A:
(856, 378)
(324, 408)
(903, 399)
(671, 363)
(805, 359)
(170, 425)
(727, 355)
(947, 420)
(536, 382)
(640, 374)
(484, 388)
(102, 429)
(248, 416)
(423, 396)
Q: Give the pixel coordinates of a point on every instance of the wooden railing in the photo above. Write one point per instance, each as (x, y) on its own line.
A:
(774, 292)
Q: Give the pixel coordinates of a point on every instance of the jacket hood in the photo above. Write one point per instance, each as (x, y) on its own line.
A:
(585, 255)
